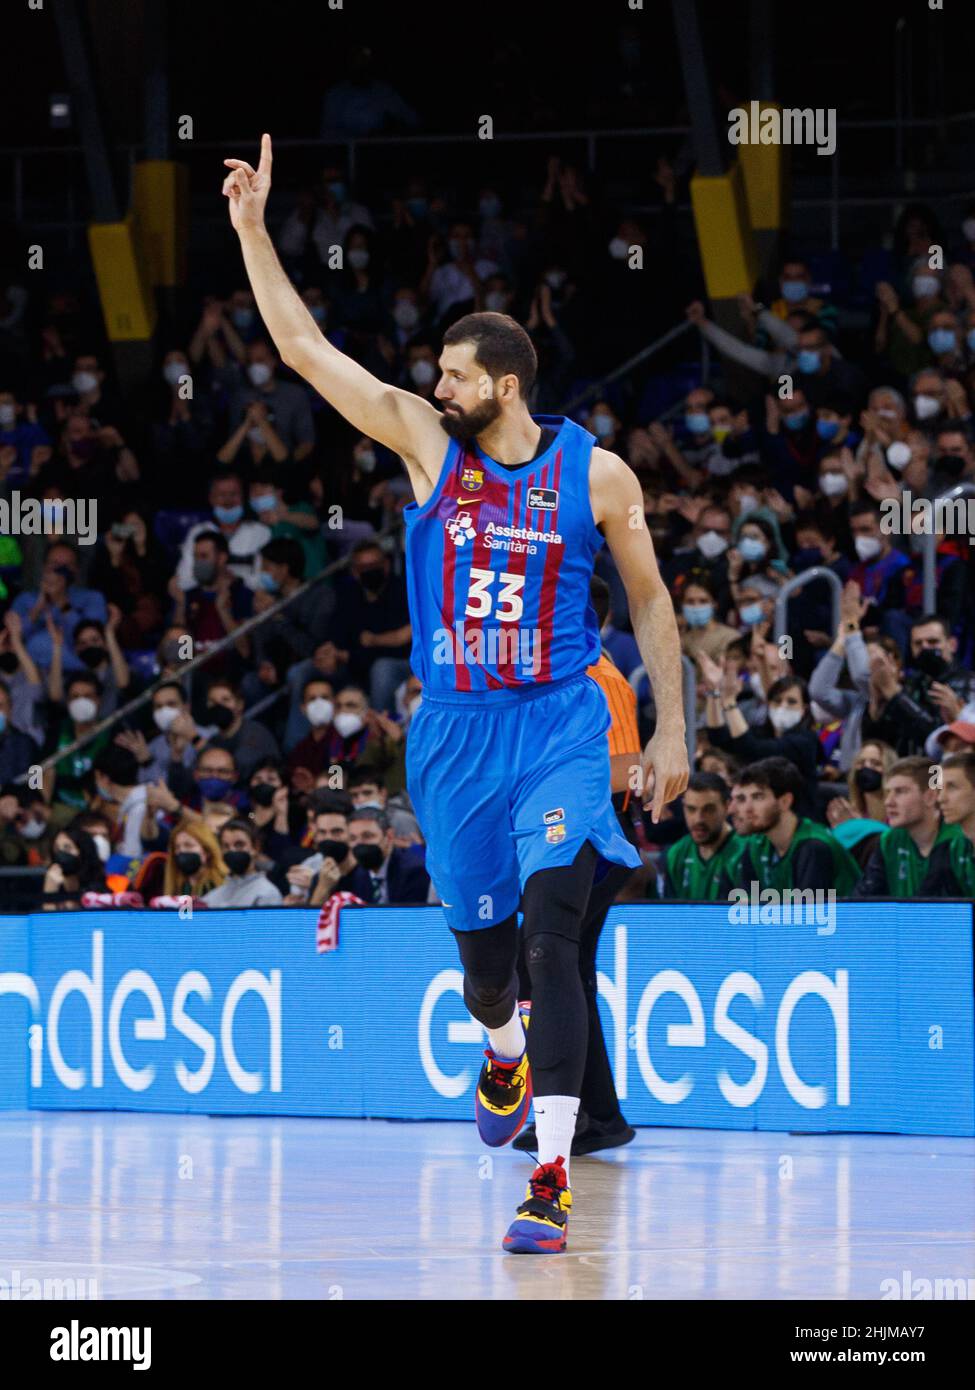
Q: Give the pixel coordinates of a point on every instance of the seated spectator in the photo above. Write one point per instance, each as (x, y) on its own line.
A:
(178, 742)
(951, 871)
(131, 569)
(865, 801)
(787, 851)
(339, 732)
(788, 733)
(284, 405)
(122, 797)
(67, 780)
(298, 630)
(396, 875)
(217, 603)
(326, 663)
(194, 863)
(243, 537)
(704, 863)
(247, 740)
(96, 647)
(333, 868)
(17, 749)
(60, 602)
(290, 521)
(75, 869)
(878, 572)
(934, 693)
(899, 864)
(372, 623)
(369, 792)
(275, 816)
(244, 886)
(21, 677)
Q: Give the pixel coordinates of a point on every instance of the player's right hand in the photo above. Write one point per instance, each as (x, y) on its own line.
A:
(247, 189)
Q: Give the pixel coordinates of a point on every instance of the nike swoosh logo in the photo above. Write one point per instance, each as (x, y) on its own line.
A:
(468, 501)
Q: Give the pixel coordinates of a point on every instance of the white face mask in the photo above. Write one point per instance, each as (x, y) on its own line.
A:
(833, 484)
(755, 684)
(925, 407)
(33, 829)
(618, 248)
(102, 847)
(496, 301)
(8, 414)
(406, 314)
(165, 717)
(783, 717)
(747, 503)
(173, 371)
(84, 382)
(867, 547)
(923, 286)
(898, 454)
(711, 545)
(348, 724)
(260, 373)
(319, 711)
(422, 372)
(82, 710)
(358, 258)
(366, 460)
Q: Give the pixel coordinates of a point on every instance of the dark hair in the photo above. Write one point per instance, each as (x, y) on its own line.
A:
(599, 598)
(371, 813)
(709, 782)
(89, 678)
(90, 875)
(501, 346)
(88, 622)
(328, 801)
(224, 683)
(284, 550)
(931, 618)
(863, 507)
(118, 764)
(315, 680)
(172, 685)
(248, 827)
(268, 764)
(363, 776)
(217, 537)
(778, 775)
(839, 402)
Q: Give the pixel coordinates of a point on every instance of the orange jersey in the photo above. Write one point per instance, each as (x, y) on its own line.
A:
(624, 735)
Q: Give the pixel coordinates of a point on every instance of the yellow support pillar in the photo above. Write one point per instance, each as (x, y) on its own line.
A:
(724, 234)
(766, 174)
(123, 280)
(161, 205)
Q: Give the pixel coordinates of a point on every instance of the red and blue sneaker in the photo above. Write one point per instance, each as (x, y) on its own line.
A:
(504, 1094)
(542, 1220)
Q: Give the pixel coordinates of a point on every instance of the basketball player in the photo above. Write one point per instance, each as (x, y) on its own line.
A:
(507, 758)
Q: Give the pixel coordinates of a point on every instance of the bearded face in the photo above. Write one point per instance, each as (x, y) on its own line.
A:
(464, 425)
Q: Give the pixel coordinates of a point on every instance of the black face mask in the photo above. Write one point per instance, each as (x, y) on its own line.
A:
(332, 849)
(237, 861)
(189, 862)
(369, 856)
(221, 716)
(372, 580)
(8, 662)
(931, 663)
(262, 793)
(951, 465)
(868, 779)
(68, 863)
(92, 656)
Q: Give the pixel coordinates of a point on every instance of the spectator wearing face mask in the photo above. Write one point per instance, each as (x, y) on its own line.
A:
(75, 869)
(27, 826)
(879, 569)
(788, 733)
(455, 273)
(339, 732)
(333, 868)
(822, 373)
(296, 631)
(247, 740)
(275, 816)
(789, 443)
(900, 337)
(405, 320)
(292, 521)
(132, 570)
(701, 631)
(177, 742)
(96, 647)
(384, 753)
(900, 863)
(122, 797)
(705, 548)
(69, 721)
(60, 602)
(183, 428)
(952, 460)
(193, 865)
(937, 401)
(865, 783)
(422, 371)
(604, 423)
(359, 304)
(834, 423)
(372, 623)
(216, 604)
(19, 429)
(254, 442)
(830, 503)
(284, 402)
(244, 885)
(397, 876)
(368, 790)
(243, 537)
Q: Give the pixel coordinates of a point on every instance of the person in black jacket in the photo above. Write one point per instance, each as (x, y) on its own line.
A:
(933, 693)
(788, 732)
(398, 876)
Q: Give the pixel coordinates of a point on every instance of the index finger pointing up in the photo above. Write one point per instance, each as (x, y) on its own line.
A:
(265, 165)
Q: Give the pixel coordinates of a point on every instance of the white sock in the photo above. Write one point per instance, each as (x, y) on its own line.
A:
(555, 1126)
(508, 1042)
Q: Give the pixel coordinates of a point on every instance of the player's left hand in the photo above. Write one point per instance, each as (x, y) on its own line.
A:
(248, 188)
(665, 771)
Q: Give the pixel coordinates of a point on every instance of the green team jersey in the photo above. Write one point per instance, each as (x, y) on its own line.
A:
(690, 876)
(905, 866)
(763, 861)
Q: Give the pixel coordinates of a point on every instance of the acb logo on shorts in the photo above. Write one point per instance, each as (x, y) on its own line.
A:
(553, 817)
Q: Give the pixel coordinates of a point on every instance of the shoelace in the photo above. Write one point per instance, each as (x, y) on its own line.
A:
(501, 1075)
(542, 1187)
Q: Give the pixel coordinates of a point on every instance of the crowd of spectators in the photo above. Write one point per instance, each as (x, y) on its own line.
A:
(275, 772)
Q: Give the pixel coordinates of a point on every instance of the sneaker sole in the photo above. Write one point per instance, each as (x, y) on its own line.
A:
(604, 1141)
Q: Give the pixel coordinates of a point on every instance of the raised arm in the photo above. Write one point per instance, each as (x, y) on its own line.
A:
(617, 506)
(403, 422)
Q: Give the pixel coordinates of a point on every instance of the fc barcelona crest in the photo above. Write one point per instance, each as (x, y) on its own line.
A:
(471, 478)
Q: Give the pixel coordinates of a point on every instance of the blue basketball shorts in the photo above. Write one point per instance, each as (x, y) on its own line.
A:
(508, 782)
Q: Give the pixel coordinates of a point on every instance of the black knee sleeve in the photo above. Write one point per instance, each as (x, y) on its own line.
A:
(490, 978)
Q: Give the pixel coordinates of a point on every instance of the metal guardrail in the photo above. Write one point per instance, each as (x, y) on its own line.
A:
(929, 549)
(799, 581)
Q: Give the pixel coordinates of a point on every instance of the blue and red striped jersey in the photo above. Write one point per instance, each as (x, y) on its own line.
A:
(498, 567)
